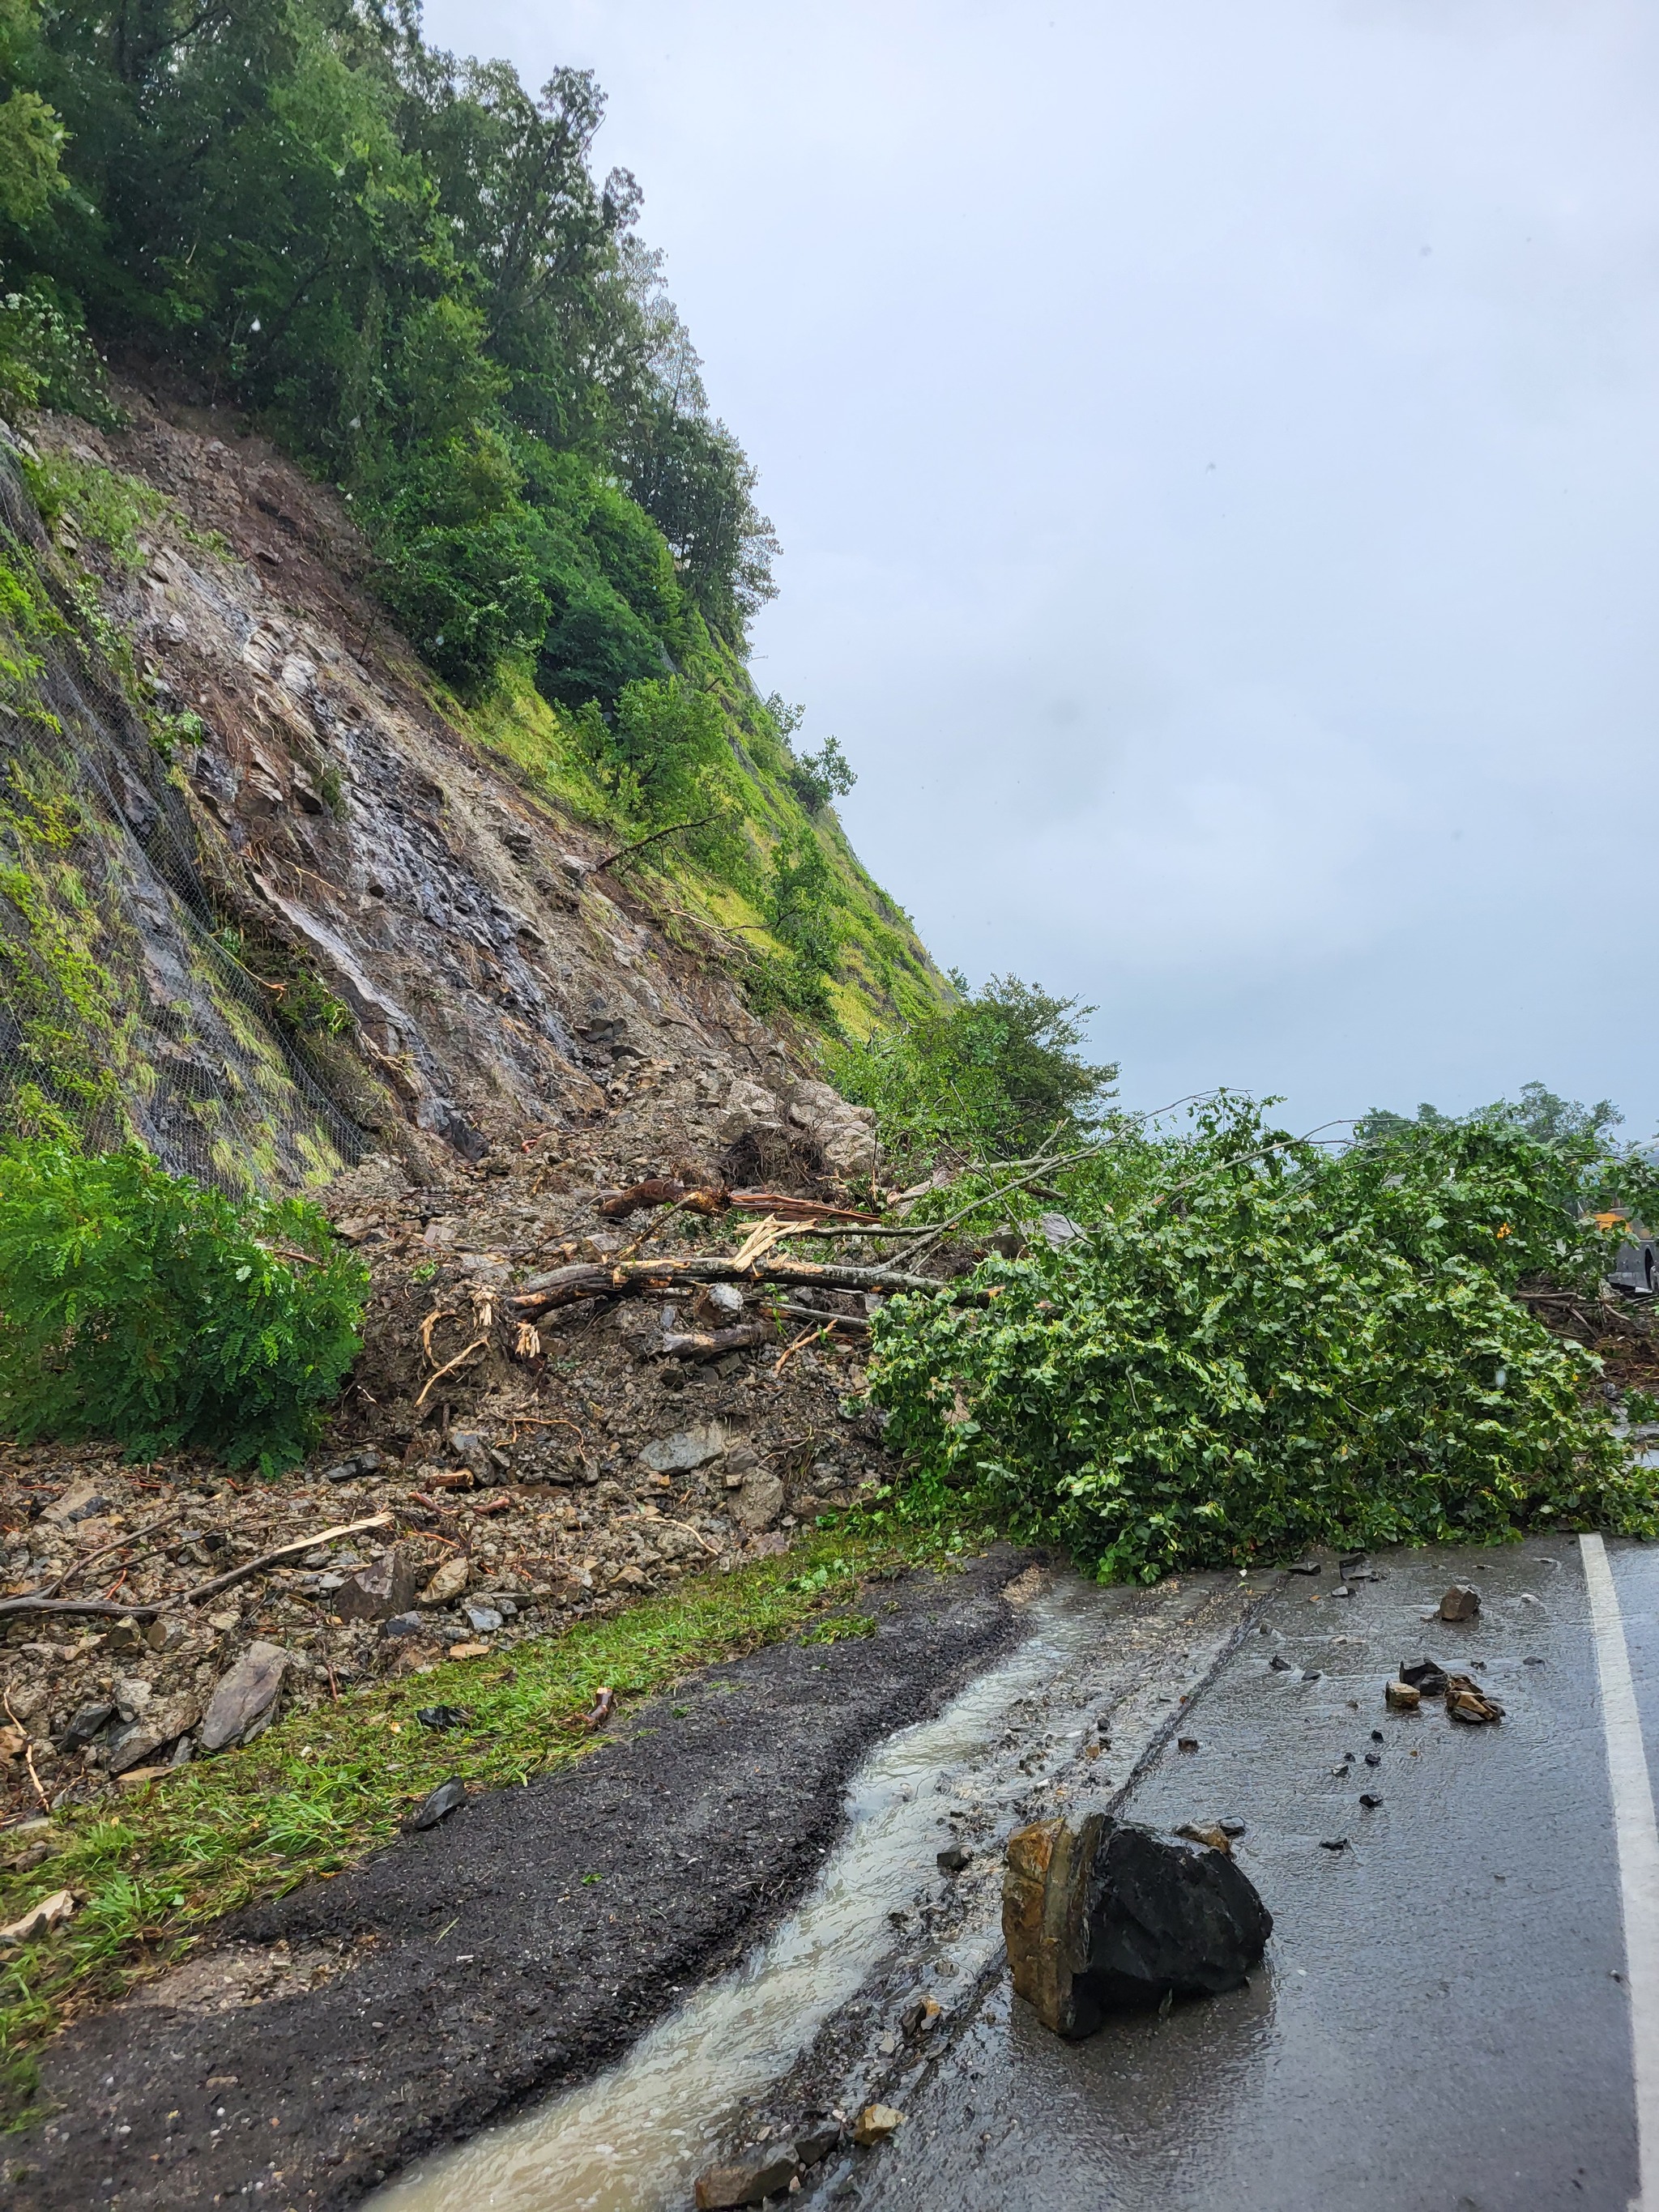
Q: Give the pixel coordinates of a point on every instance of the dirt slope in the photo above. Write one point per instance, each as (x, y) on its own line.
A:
(437, 948)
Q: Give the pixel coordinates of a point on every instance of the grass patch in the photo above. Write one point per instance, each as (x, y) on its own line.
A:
(839, 1627)
(322, 1787)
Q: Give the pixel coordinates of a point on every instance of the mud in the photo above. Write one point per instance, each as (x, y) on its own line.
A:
(889, 1949)
(512, 1952)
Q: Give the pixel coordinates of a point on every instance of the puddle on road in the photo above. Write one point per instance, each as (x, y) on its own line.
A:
(634, 2140)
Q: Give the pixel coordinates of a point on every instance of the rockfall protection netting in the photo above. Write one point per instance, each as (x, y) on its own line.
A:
(123, 1013)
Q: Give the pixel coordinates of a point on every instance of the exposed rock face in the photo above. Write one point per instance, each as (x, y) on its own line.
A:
(495, 979)
(166, 1016)
(1102, 1916)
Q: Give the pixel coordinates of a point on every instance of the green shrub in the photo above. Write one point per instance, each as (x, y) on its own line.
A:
(598, 530)
(1247, 1355)
(45, 358)
(104, 504)
(138, 1305)
(595, 646)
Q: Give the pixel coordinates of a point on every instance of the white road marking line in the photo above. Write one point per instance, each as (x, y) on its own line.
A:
(1639, 1857)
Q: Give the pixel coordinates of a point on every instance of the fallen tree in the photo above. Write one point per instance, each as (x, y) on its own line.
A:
(634, 1279)
(1253, 1343)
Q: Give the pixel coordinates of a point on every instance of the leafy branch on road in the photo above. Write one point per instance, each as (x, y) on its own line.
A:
(1261, 1342)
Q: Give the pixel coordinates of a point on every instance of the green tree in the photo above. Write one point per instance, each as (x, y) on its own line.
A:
(31, 130)
(991, 1077)
(663, 752)
(804, 903)
(818, 778)
(408, 264)
(692, 477)
(1542, 1114)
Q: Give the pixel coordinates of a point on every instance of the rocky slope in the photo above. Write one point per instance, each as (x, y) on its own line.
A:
(325, 917)
(269, 906)
(509, 1487)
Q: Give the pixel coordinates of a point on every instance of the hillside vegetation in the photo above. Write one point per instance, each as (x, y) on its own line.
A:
(405, 268)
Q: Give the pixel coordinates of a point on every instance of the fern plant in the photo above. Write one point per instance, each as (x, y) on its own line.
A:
(140, 1305)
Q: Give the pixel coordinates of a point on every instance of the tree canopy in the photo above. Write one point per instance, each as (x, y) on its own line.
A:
(996, 1073)
(408, 264)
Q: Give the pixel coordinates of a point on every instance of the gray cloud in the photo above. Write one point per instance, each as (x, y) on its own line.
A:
(1215, 450)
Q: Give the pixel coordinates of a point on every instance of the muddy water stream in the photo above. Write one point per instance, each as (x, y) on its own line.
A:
(633, 2139)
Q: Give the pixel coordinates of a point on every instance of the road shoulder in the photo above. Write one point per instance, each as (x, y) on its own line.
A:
(508, 1953)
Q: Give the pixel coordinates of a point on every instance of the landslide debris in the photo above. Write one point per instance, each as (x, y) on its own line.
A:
(526, 1489)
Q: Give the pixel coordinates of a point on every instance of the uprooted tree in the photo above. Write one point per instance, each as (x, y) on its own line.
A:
(1257, 1343)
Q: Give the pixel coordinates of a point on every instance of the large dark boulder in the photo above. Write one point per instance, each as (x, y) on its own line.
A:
(1102, 1916)
(1168, 1915)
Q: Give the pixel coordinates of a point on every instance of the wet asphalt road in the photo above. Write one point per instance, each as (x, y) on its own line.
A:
(1441, 2019)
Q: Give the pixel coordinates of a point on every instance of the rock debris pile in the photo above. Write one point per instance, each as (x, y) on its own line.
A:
(455, 1511)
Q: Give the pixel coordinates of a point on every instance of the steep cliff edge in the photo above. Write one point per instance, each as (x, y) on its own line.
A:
(273, 899)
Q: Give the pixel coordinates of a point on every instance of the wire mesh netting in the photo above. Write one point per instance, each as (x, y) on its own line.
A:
(123, 1013)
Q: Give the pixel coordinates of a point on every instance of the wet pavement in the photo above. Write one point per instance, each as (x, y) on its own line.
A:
(883, 1920)
(1441, 2021)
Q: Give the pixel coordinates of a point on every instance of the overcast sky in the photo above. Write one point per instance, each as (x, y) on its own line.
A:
(1215, 454)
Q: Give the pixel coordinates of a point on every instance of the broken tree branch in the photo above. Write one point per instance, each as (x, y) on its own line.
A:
(569, 1287)
(796, 1209)
(28, 1753)
(876, 1229)
(273, 1558)
(75, 1566)
(816, 1313)
(627, 852)
(709, 1344)
(108, 1607)
(660, 1190)
(150, 1610)
(789, 1350)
